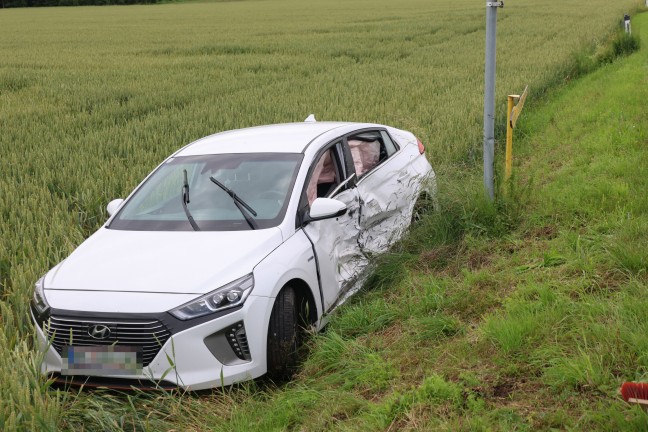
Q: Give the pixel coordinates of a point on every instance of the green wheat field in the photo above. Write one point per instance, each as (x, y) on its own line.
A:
(93, 98)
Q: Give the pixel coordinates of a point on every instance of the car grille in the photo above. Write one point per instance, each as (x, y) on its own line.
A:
(151, 335)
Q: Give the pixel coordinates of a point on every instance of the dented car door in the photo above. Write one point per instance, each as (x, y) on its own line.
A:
(388, 186)
(335, 240)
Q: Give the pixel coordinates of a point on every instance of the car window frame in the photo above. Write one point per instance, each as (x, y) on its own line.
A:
(341, 171)
(214, 226)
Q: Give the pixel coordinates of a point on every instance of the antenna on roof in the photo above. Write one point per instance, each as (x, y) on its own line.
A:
(310, 119)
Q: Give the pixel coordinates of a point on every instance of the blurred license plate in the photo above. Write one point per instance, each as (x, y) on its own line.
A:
(101, 360)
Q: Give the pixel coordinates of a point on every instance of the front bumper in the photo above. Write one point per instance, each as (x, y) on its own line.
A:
(190, 357)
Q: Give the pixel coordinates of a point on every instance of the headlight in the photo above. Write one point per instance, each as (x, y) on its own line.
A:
(39, 302)
(231, 295)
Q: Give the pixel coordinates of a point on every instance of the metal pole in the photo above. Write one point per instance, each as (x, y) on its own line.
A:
(489, 97)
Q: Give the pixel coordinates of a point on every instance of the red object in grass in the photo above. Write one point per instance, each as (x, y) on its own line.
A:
(420, 146)
(635, 392)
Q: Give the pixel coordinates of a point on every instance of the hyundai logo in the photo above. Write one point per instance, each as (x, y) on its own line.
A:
(99, 331)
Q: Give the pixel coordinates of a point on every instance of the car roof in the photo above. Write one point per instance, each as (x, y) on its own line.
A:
(278, 138)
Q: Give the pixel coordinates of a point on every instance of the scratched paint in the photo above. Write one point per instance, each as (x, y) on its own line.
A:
(379, 212)
(388, 227)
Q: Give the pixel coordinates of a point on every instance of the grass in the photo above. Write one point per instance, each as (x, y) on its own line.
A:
(520, 316)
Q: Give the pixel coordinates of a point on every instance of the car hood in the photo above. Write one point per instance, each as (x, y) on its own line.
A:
(187, 262)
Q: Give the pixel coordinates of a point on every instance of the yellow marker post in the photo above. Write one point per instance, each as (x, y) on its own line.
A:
(509, 137)
(513, 112)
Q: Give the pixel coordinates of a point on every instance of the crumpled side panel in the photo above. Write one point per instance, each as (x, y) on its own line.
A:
(388, 227)
(351, 261)
(336, 243)
(379, 213)
(387, 214)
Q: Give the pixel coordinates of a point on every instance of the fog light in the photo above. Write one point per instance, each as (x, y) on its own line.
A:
(238, 341)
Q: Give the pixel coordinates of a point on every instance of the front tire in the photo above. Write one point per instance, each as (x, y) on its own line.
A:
(283, 336)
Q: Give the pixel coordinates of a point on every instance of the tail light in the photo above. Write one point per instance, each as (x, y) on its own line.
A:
(421, 146)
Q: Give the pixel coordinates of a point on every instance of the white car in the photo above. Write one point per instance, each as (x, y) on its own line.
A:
(209, 272)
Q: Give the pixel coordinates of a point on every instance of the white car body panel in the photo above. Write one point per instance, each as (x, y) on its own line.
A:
(285, 138)
(336, 243)
(152, 272)
(162, 262)
(194, 366)
(388, 195)
(115, 301)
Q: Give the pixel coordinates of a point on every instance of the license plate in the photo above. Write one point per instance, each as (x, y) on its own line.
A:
(101, 360)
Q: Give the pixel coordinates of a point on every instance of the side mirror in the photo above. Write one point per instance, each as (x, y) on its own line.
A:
(325, 208)
(113, 206)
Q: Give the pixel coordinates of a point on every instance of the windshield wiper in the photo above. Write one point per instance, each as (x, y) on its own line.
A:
(185, 201)
(239, 203)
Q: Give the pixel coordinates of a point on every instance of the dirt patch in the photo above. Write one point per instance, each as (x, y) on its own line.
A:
(503, 389)
(547, 232)
(611, 280)
(340, 416)
(478, 259)
(438, 258)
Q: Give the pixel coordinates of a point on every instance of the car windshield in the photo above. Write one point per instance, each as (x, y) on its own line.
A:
(261, 180)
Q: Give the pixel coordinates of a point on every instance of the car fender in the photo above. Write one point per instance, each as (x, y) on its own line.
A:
(294, 259)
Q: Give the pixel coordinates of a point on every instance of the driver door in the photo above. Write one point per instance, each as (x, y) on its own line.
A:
(335, 240)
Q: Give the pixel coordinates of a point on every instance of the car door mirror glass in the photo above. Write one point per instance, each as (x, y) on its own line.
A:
(113, 206)
(325, 208)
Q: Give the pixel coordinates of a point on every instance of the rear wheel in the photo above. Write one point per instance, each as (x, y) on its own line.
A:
(283, 335)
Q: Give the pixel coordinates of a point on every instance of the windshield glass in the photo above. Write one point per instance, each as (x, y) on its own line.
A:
(262, 180)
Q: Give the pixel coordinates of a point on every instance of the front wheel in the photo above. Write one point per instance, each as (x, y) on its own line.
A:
(283, 336)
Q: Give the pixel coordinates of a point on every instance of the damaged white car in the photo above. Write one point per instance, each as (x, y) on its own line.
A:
(209, 272)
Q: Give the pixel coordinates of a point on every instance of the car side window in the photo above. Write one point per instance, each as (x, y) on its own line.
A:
(325, 176)
(390, 146)
(370, 149)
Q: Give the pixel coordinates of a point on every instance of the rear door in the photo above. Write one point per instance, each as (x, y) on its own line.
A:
(387, 186)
